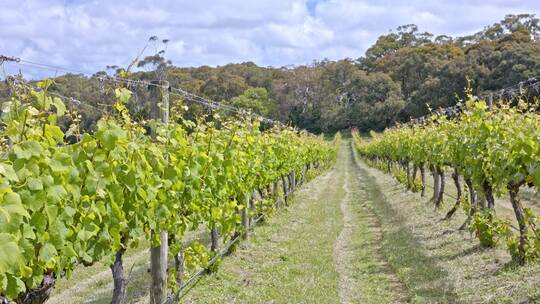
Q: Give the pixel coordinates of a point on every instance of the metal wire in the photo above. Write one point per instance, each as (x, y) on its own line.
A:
(512, 91)
(176, 91)
(215, 105)
(72, 100)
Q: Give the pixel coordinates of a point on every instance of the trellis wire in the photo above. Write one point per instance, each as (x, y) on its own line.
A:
(176, 91)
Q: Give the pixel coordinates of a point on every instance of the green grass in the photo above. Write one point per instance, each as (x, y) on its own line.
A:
(94, 284)
(292, 258)
(435, 261)
(289, 259)
(426, 282)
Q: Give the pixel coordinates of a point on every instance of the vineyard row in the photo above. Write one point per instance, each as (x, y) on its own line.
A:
(69, 199)
(494, 151)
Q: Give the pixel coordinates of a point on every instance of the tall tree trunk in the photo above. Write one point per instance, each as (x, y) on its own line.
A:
(513, 190)
(117, 268)
(423, 177)
(36, 295)
(455, 177)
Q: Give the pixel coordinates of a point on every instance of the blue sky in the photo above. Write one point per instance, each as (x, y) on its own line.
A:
(87, 35)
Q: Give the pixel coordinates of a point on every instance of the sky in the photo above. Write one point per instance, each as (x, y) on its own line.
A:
(87, 35)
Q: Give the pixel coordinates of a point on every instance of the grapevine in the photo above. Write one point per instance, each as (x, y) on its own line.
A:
(65, 204)
(496, 151)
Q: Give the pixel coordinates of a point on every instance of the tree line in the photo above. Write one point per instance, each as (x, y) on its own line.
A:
(405, 74)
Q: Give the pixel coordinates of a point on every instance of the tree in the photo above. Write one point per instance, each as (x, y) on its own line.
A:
(255, 100)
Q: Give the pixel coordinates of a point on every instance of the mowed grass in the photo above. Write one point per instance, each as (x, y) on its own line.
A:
(376, 280)
(289, 259)
(94, 284)
(437, 263)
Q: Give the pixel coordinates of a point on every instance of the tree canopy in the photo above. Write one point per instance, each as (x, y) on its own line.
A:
(404, 74)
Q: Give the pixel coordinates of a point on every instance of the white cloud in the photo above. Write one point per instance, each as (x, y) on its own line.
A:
(90, 34)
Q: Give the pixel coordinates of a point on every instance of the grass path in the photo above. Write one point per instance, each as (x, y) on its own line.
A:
(322, 249)
(343, 251)
(437, 263)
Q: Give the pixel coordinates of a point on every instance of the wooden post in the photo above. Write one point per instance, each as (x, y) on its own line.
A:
(285, 192)
(436, 183)
(513, 190)
(245, 221)
(274, 192)
(252, 210)
(490, 101)
(179, 267)
(262, 196)
(158, 269)
(408, 172)
(214, 235)
(159, 97)
(440, 195)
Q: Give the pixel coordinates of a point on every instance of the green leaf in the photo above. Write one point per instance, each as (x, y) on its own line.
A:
(15, 286)
(56, 193)
(7, 171)
(54, 134)
(123, 95)
(59, 105)
(12, 203)
(69, 252)
(33, 147)
(47, 252)
(216, 213)
(9, 252)
(34, 184)
(58, 167)
(28, 232)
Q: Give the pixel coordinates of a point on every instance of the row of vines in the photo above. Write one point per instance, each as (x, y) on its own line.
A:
(69, 199)
(494, 151)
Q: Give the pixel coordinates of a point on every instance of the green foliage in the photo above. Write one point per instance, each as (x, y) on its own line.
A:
(496, 148)
(64, 204)
(490, 230)
(531, 251)
(403, 75)
(255, 100)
